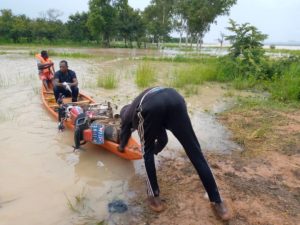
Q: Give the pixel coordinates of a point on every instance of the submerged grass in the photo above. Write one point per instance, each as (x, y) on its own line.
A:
(6, 116)
(108, 81)
(79, 204)
(6, 81)
(145, 75)
(64, 54)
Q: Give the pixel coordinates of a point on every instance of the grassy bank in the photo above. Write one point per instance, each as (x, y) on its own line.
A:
(280, 77)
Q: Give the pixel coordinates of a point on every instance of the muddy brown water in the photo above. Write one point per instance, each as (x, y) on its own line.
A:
(42, 181)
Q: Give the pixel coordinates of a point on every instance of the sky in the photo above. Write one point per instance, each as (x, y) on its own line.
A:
(276, 18)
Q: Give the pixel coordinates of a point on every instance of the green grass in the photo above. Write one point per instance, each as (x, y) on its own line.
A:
(252, 103)
(64, 54)
(287, 87)
(108, 81)
(100, 223)
(241, 83)
(193, 75)
(145, 75)
(182, 59)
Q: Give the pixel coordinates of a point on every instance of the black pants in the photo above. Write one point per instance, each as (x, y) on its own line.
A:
(166, 109)
(57, 90)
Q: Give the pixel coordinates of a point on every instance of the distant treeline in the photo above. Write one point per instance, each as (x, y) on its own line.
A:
(115, 20)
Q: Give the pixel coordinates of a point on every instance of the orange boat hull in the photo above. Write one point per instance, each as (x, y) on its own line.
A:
(132, 150)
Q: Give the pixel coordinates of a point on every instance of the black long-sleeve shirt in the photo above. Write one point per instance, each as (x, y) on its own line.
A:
(129, 119)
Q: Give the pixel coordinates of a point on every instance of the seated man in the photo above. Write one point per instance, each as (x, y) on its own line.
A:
(46, 69)
(65, 82)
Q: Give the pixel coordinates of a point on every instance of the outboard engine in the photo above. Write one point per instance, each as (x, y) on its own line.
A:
(81, 124)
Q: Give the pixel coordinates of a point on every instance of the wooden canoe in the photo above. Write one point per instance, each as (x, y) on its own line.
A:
(132, 150)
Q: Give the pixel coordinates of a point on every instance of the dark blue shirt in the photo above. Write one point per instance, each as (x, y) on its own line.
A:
(67, 77)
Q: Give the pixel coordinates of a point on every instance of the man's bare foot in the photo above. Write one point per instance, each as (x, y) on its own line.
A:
(221, 211)
(156, 204)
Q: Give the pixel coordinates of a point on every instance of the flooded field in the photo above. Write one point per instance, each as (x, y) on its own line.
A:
(42, 180)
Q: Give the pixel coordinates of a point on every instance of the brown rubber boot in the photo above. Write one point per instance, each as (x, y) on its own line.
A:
(221, 211)
(156, 204)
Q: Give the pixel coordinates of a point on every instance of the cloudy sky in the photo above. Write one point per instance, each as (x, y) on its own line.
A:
(276, 18)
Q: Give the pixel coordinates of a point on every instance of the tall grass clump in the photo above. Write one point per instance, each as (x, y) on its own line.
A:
(193, 75)
(108, 81)
(145, 75)
(287, 86)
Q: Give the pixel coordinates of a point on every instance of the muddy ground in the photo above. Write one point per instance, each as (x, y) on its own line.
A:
(260, 183)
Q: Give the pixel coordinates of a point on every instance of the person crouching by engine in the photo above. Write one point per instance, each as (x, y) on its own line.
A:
(65, 82)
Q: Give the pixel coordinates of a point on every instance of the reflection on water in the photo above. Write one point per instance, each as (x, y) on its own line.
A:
(41, 175)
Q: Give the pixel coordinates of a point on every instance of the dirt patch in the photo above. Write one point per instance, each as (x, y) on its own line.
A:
(264, 130)
(260, 184)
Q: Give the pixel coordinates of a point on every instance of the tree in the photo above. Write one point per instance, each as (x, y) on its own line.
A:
(247, 48)
(158, 17)
(44, 30)
(200, 14)
(179, 23)
(53, 14)
(130, 26)
(21, 29)
(77, 27)
(102, 20)
(221, 39)
(6, 23)
(48, 27)
(245, 40)
(139, 28)
(124, 19)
